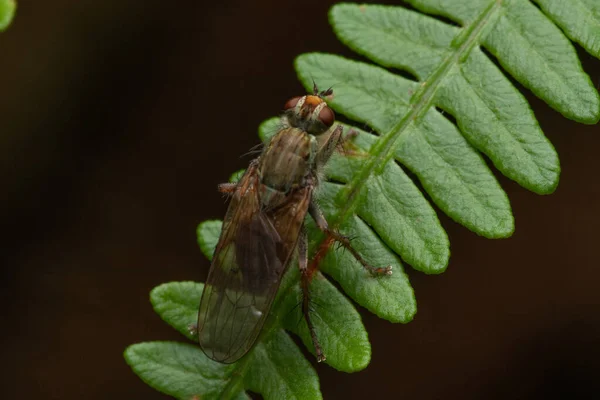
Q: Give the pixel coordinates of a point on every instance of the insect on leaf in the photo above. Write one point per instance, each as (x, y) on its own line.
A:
(406, 157)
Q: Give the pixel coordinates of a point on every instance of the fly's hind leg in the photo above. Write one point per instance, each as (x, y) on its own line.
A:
(322, 224)
(305, 278)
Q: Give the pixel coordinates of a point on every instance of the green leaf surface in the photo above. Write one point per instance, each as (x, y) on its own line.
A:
(7, 12)
(497, 120)
(389, 297)
(530, 47)
(579, 19)
(180, 370)
(394, 207)
(236, 176)
(333, 315)
(276, 357)
(208, 233)
(337, 323)
(279, 370)
(491, 113)
(177, 304)
(450, 170)
(403, 220)
(540, 57)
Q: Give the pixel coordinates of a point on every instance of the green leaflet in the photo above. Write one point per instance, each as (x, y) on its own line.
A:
(337, 323)
(332, 321)
(394, 36)
(579, 19)
(548, 66)
(497, 120)
(531, 48)
(180, 370)
(334, 316)
(389, 297)
(451, 171)
(7, 12)
(491, 113)
(393, 206)
(277, 360)
(177, 303)
(236, 175)
(404, 221)
(279, 370)
(207, 234)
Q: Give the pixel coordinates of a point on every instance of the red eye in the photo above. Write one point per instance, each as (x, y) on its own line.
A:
(291, 103)
(326, 116)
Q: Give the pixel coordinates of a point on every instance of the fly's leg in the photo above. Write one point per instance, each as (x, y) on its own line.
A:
(329, 146)
(305, 278)
(322, 224)
(323, 93)
(227, 188)
(193, 329)
(230, 188)
(348, 148)
(337, 140)
(352, 133)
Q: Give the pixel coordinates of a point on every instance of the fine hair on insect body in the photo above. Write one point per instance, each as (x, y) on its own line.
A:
(264, 227)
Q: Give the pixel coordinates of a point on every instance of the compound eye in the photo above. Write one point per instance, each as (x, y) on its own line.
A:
(327, 116)
(291, 103)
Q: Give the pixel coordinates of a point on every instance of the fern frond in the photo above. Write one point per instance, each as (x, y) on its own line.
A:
(370, 195)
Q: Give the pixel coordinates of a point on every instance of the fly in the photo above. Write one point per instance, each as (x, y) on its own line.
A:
(263, 226)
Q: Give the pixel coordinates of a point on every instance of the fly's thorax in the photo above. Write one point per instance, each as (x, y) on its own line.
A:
(288, 159)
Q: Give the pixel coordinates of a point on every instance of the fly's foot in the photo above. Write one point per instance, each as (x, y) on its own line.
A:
(345, 241)
(352, 133)
(320, 356)
(380, 270)
(193, 329)
(347, 147)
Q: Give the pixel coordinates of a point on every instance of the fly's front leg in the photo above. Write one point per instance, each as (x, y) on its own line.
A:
(305, 278)
(322, 224)
(329, 146)
(347, 147)
(337, 140)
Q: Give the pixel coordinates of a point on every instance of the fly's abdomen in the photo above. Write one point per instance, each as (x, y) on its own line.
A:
(286, 161)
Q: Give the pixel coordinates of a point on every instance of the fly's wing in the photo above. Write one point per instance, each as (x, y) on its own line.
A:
(249, 261)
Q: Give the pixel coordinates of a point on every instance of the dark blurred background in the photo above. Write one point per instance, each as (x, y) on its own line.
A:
(118, 119)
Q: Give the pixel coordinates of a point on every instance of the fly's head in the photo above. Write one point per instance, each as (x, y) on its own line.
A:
(310, 113)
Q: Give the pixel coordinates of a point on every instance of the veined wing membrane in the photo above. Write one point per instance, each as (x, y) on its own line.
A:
(253, 252)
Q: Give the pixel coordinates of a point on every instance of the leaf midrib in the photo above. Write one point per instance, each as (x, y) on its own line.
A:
(386, 145)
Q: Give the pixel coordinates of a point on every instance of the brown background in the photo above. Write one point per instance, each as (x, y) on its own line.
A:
(118, 118)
